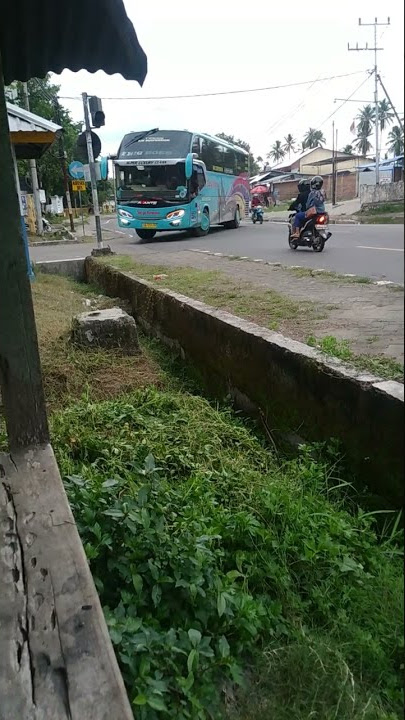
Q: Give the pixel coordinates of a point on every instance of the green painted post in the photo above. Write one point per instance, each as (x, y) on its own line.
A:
(20, 369)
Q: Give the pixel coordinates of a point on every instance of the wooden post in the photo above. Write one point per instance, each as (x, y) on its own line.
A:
(20, 369)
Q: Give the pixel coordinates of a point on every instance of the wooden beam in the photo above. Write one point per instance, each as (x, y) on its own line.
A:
(37, 138)
(56, 661)
(20, 369)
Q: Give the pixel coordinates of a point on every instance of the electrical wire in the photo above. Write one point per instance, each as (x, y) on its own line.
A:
(370, 72)
(224, 92)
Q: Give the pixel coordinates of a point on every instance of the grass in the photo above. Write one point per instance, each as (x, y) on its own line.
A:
(264, 307)
(70, 372)
(380, 365)
(235, 587)
(384, 208)
(282, 207)
(328, 275)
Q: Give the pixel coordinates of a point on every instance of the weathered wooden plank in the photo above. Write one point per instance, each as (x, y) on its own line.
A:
(20, 370)
(57, 661)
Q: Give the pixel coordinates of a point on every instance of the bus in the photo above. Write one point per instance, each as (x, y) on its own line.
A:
(171, 180)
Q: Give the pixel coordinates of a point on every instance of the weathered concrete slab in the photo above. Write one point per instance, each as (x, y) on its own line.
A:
(56, 658)
(112, 328)
(73, 268)
(298, 389)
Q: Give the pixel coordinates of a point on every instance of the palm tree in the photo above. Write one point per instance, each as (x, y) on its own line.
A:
(313, 139)
(277, 152)
(396, 140)
(348, 149)
(362, 143)
(385, 114)
(366, 119)
(289, 144)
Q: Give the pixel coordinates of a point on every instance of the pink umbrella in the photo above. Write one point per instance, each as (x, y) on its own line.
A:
(260, 190)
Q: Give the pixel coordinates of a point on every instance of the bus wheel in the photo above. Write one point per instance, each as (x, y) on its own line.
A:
(235, 223)
(205, 225)
(146, 234)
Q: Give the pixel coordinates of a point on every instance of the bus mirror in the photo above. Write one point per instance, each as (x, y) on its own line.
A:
(189, 166)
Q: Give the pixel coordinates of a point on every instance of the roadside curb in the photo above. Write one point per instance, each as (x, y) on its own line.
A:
(318, 271)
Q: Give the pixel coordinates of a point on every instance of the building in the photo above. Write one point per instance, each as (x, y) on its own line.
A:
(318, 161)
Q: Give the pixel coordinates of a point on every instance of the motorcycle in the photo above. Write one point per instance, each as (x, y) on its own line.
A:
(257, 215)
(313, 234)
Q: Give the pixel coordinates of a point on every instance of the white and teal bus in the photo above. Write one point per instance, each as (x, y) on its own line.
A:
(178, 180)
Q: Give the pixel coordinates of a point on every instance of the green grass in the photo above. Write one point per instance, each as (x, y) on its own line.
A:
(282, 207)
(384, 208)
(380, 365)
(265, 307)
(328, 275)
(235, 586)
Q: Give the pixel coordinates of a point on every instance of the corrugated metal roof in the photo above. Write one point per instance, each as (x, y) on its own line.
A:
(20, 120)
(39, 37)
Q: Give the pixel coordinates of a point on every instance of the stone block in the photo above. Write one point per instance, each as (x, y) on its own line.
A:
(111, 329)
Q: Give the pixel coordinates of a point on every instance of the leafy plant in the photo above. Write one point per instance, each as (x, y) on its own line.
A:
(277, 151)
(217, 566)
(313, 139)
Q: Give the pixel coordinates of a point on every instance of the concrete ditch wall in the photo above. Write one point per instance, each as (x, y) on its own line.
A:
(299, 391)
(296, 387)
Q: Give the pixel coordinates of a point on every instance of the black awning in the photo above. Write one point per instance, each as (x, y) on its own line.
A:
(39, 36)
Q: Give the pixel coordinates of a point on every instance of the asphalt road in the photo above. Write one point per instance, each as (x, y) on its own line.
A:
(374, 251)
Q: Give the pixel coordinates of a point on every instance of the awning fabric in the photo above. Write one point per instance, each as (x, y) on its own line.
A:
(43, 36)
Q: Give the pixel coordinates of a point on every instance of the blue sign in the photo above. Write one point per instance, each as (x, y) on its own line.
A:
(76, 170)
(104, 168)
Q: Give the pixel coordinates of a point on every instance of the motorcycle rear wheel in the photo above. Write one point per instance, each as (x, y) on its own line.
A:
(318, 246)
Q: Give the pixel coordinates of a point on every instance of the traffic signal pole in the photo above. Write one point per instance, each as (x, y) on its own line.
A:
(92, 169)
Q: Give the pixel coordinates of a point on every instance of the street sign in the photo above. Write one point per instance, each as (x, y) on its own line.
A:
(76, 170)
(78, 185)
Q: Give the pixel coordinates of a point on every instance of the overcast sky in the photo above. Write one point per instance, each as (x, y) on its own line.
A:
(221, 45)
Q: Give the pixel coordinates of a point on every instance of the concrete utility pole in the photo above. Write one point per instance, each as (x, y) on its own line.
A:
(34, 174)
(374, 49)
(400, 123)
(92, 169)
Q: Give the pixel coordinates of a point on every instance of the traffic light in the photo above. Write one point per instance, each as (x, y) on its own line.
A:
(96, 112)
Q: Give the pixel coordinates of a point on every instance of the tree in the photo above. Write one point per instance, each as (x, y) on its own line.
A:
(43, 97)
(396, 140)
(362, 143)
(348, 149)
(277, 152)
(289, 144)
(313, 139)
(366, 120)
(253, 164)
(385, 114)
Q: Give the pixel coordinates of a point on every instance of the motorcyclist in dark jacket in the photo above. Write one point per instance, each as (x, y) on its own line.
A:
(300, 203)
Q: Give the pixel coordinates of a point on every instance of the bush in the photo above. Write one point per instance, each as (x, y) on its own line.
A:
(218, 568)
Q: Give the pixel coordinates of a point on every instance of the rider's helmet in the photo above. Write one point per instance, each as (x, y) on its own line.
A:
(316, 182)
(303, 184)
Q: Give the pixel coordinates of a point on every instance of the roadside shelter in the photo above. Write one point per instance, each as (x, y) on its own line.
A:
(56, 660)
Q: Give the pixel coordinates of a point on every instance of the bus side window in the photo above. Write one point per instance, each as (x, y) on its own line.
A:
(196, 146)
(200, 177)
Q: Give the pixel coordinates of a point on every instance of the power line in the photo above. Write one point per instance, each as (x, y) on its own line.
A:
(347, 99)
(224, 92)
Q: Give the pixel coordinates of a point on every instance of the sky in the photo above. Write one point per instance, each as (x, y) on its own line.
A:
(219, 45)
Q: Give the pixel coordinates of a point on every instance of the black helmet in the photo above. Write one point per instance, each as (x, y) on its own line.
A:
(316, 182)
(303, 183)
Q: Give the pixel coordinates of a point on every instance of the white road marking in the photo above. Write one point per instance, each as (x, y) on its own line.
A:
(372, 247)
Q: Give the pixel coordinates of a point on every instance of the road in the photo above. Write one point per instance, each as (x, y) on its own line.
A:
(374, 251)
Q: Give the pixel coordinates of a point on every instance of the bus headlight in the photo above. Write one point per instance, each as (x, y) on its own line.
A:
(125, 214)
(175, 215)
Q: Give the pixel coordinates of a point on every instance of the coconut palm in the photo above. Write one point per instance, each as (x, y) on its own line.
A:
(385, 114)
(366, 119)
(289, 144)
(313, 139)
(348, 149)
(362, 142)
(277, 152)
(396, 140)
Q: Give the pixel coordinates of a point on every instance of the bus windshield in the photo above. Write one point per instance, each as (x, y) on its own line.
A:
(165, 182)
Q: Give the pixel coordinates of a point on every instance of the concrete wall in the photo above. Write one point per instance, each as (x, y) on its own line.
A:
(69, 268)
(386, 192)
(296, 387)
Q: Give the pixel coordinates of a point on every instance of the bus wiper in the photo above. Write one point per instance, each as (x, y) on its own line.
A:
(141, 136)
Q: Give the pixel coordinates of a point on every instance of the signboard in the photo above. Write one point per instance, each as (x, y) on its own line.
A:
(76, 170)
(79, 185)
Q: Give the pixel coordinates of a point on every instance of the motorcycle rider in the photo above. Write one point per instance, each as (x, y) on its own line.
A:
(316, 199)
(300, 203)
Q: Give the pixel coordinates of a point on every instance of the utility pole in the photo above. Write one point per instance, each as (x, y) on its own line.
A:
(92, 169)
(333, 165)
(34, 174)
(63, 166)
(374, 49)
